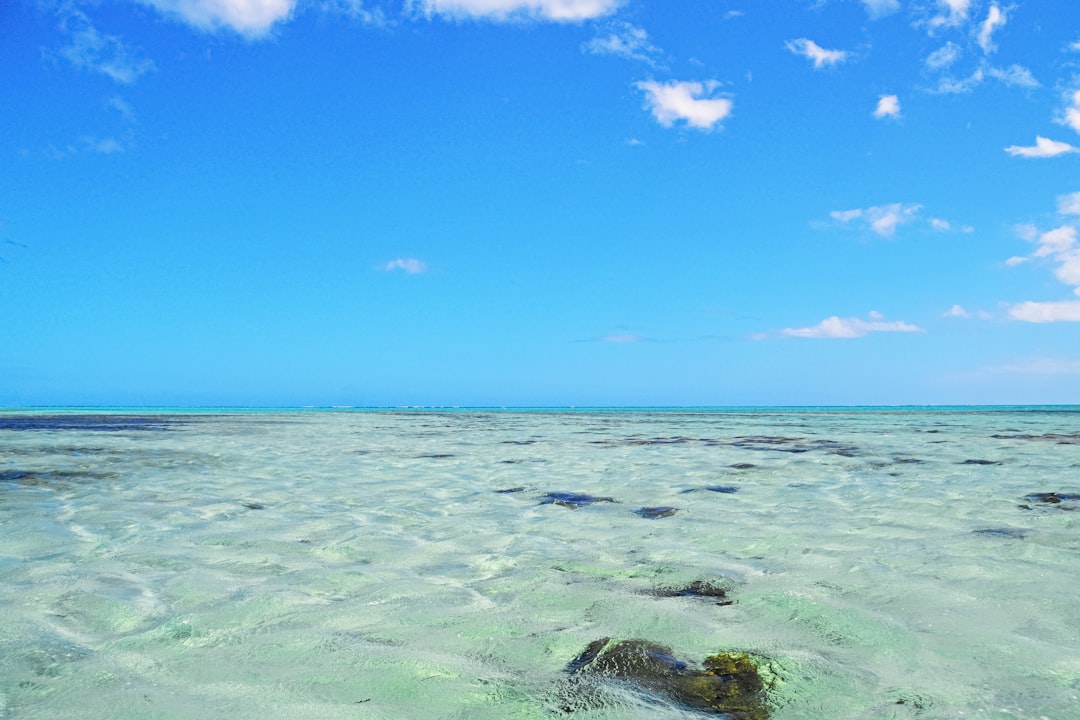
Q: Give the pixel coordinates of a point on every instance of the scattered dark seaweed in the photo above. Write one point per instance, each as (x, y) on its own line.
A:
(96, 422)
(725, 489)
(1059, 438)
(1060, 500)
(573, 500)
(1002, 532)
(653, 513)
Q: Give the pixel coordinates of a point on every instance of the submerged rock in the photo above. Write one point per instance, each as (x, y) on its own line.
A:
(728, 684)
(573, 500)
(652, 513)
(698, 589)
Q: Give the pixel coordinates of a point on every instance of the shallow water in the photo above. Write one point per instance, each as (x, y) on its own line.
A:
(411, 564)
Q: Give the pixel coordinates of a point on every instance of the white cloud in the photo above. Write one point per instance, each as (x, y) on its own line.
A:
(838, 327)
(1047, 312)
(957, 311)
(1043, 148)
(815, 53)
(688, 101)
(1016, 260)
(887, 106)
(1075, 46)
(1071, 116)
(91, 50)
(881, 8)
(247, 17)
(882, 219)
(409, 265)
(1060, 245)
(1014, 76)
(995, 19)
(1069, 204)
(940, 224)
(944, 56)
(502, 10)
(1056, 241)
(623, 40)
(624, 339)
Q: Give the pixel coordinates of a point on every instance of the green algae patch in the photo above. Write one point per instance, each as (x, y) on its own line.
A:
(731, 684)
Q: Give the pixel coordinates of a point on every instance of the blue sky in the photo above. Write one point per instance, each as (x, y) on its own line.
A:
(539, 202)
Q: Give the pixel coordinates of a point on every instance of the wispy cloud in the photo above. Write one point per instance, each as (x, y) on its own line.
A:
(888, 106)
(503, 10)
(625, 338)
(995, 20)
(956, 311)
(247, 17)
(838, 327)
(90, 49)
(1069, 204)
(1014, 76)
(956, 13)
(356, 10)
(818, 55)
(690, 102)
(880, 8)
(1047, 312)
(409, 265)
(944, 56)
(881, 219)
(121, 106)
(623, 40)
(1043, 148)
(1040, 366)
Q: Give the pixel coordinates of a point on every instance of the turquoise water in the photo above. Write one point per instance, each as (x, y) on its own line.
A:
(888, 563)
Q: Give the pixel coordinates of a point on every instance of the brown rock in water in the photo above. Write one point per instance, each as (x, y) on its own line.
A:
(728, 684)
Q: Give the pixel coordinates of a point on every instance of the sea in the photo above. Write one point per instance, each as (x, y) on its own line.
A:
(878, 563)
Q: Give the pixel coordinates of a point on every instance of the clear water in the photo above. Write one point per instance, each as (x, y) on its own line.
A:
(363, 565)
